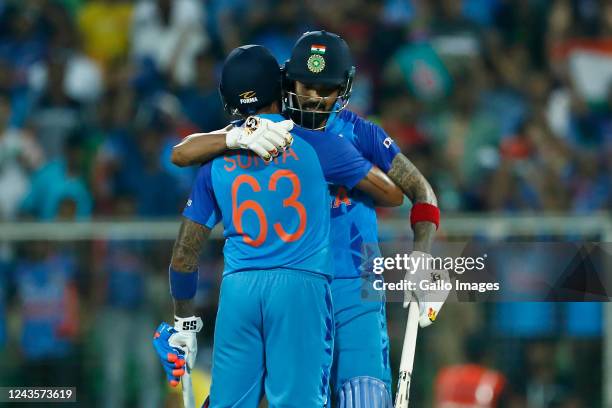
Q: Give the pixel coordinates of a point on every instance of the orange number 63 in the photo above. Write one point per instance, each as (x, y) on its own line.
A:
(291, 201)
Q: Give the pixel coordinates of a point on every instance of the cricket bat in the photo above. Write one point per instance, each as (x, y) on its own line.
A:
(407, 361)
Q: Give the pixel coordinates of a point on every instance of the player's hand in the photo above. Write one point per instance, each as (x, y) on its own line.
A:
(430, 300)
(177, 346)
(172, 359)
(262, 136)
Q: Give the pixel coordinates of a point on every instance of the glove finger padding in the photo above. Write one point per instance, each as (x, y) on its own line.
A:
(277, 138)
(172, 358)
(268, 146)
(286, 125)
(187, 343)
(282, 129)
(288, 139)
(261, 152)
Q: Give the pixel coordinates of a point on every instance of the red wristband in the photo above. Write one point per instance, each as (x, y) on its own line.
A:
(425, 212)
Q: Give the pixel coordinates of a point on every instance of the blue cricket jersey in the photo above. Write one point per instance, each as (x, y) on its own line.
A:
(276, 215)
(354, 230)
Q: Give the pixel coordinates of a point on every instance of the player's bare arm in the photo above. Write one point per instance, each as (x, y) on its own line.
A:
(263, 137)
(177, 345)
(185, 255)
(200, 147)
(407, 177)
(381, 188)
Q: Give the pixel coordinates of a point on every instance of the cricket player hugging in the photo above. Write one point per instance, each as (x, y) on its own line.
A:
(316, 88)
(275, 324)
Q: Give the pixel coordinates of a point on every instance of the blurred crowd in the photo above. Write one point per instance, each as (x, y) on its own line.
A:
(504, 105)
(83, 314)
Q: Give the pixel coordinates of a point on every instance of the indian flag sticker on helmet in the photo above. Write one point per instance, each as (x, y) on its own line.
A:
(316, 63)
(317, 49)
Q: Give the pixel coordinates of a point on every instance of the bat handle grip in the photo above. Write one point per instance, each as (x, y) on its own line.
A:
(410, 338)
(188, 397)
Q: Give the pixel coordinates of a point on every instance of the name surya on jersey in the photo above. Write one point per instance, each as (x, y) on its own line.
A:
(247, 160)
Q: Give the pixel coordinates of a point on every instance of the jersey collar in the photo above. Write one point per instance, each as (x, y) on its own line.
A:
(333, 124)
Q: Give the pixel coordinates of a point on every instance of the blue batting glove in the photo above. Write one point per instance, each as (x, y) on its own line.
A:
(172, 358)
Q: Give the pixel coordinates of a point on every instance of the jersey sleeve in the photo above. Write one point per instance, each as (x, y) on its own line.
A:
(202, 206)
(341, 162)
(374, 143)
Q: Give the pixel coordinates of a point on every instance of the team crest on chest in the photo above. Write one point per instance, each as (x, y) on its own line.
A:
(316, 63)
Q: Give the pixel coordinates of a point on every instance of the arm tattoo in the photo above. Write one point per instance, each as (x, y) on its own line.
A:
(188, 245)
(407, 177)
(185, 255)
(411, 181)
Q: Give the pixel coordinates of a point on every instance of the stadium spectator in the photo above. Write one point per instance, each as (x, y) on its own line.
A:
(278, 31)
(58, 180)
(171, 34)
(125, 317)
(157, 192)
(455, 38)
(200, 102)
(45, 290)
(19, 155)
(56, 115)
(419, 68)
(467, 138)
(82, 80)
(104, 26)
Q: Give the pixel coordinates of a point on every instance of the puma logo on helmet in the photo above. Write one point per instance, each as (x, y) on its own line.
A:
(248, 97)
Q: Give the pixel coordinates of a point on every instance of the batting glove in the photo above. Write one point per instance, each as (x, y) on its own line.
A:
(177, 346)
(429, 293)
(262, 136)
